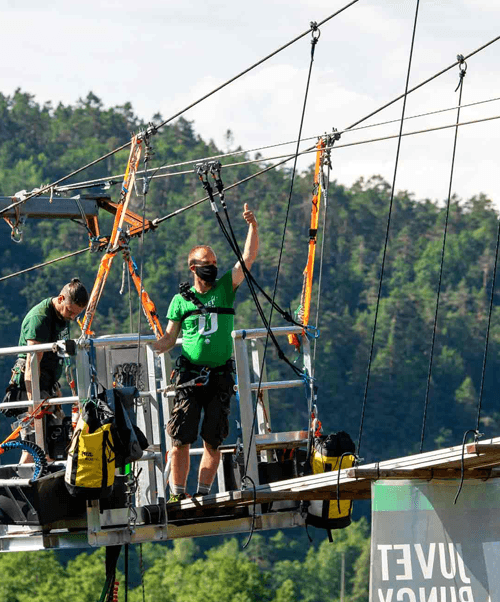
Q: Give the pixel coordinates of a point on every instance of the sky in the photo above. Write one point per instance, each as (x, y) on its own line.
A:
(162, 56)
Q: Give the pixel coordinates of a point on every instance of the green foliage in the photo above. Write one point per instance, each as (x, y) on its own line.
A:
(32, 577)
(39, 144)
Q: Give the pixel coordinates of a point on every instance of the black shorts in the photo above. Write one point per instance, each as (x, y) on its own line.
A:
(214, 398)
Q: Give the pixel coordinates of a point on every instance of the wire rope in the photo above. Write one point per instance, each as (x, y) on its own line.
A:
(42, 265)
(115, 179)
(441, 266)
(43, 189)
(314, 41)
(391, 202)
(487, 337)
(443, 71)
(158, 221)
(312, 150)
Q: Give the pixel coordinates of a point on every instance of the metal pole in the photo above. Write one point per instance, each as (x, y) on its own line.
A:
(246, 410)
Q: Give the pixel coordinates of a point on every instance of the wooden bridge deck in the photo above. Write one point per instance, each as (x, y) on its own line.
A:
(481, 461)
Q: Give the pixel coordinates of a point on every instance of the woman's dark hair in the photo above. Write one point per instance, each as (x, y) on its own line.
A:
(75, 291)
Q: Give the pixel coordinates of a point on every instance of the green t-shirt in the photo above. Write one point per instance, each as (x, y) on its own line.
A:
(206, 339)
(44, 325)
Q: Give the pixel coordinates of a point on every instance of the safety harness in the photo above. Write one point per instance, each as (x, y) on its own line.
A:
(187, 294)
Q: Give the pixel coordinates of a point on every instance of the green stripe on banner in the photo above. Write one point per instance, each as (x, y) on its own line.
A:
(407, 496)
(389, 497)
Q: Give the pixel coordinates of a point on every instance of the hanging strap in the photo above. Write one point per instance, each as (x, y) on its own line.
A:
(305, 300)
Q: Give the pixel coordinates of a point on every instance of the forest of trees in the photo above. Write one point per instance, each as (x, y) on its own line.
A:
(39, 144)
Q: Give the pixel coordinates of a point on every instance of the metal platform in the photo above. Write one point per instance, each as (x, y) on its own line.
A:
(233, 509)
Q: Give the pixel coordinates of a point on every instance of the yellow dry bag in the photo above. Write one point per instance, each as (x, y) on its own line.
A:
(90, 468)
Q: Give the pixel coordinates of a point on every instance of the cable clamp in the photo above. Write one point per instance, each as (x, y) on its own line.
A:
(202, 170)
(151, 130)
(315, 32)
(96, 243)
(462, 66)
(215, 169)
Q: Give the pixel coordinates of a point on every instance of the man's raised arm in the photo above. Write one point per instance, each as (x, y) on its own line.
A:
(251, 247)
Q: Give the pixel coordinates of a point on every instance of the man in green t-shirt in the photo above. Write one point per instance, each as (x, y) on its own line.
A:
(206, 348)
(47, 322)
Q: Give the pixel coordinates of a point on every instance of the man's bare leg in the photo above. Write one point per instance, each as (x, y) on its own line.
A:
(179, 468)
(208, 468)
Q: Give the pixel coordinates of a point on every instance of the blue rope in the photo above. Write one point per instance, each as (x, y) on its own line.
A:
(33, 449)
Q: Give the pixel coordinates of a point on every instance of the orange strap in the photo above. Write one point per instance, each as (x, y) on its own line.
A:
(37, 412)
(305, 300)
(148, 306)
(107, 260)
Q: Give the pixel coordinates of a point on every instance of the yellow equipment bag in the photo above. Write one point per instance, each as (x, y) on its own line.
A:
(90, 468)
(328, 454)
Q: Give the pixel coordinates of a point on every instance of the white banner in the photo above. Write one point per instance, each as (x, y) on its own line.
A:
(425, 548)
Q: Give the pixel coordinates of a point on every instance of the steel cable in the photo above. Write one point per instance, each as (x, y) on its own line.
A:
(441, 266)
(379, 293)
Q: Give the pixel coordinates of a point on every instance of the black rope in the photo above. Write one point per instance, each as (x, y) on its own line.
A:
(233, 243)
(179, 113)
(379, 294)
(483, 372)
(112, 554)
(462, 464)
(254, 510)
(438, 294)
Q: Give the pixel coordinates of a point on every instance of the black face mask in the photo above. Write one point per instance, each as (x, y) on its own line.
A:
(207, 273)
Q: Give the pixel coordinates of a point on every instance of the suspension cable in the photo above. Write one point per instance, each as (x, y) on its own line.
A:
(42, 265)
(311, 150)
(463, 69)
(115, 179)
(424, 82)
(315, 37)
(48, 187)
(43, 189)
(379, 294)
(487, 337)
